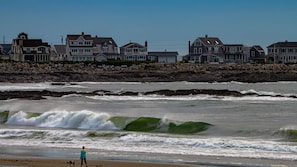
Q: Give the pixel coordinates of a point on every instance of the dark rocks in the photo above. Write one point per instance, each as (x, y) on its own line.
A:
(154, 72)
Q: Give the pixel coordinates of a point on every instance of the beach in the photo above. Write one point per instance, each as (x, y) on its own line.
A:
(202, 161)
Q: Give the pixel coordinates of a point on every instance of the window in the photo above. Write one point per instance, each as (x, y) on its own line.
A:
(195, 50)
(290, 50)
(200, 50)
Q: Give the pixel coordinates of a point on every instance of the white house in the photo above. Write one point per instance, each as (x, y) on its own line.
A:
(134, 52)
(163, 57)
(282, 52)
(79, 47)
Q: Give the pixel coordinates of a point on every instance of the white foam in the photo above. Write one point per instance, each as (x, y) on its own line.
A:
(63, 119)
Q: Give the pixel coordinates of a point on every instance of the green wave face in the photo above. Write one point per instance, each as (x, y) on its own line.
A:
(289, 134)
(148, 124)
(144, 124)
(188, 127)
(3, 116)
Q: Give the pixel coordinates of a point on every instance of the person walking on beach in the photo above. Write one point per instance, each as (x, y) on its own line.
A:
(83, 156)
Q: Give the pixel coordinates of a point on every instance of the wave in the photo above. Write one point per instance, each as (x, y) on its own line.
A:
(89, 120)
(288, 133)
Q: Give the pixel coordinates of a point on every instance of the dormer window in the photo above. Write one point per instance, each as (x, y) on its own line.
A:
(208, 42)
(217, 42)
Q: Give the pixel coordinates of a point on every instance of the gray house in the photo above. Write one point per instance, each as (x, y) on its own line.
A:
(205, 49)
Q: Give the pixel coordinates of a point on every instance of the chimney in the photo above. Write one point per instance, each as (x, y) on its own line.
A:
(189, 45)
(82, 33)
(145, 44)
(206, 36)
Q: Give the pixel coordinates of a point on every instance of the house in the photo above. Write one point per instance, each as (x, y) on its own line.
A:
(236, 53)
(5, 50)
(79, 47)
(24, 49)
(163, 57)
(134, 52)
(257, 54)
(58, 53)
(205, 49)
(105, 48)
(282, 52)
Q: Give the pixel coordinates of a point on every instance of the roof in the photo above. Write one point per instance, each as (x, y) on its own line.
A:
(133, 45)
(60, 49)
(283, 44)
(209, 41)
(75, 37)
(258, 48)
(102, 40)
(34, 43)
(163, 53)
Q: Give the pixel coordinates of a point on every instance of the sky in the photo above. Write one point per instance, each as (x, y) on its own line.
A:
(165, 24)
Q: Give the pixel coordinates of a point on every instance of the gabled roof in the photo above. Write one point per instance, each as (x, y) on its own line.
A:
(60, 49)
(258, 48)
(75, 37)
(102, 40)
(210, 41)
(283, 44)
(133, 45)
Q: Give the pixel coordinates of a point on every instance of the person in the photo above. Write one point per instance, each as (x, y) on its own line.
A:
(83, 156)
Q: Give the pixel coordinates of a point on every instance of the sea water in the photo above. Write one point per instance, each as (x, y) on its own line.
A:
(158, 127)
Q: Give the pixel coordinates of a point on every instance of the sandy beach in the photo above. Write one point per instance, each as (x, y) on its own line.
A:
(44, 162)
(202, 161)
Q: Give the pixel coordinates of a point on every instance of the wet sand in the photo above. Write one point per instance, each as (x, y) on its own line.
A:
(202, 161)
(45, 162)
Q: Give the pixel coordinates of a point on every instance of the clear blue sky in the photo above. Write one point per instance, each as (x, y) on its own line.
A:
(165, 24)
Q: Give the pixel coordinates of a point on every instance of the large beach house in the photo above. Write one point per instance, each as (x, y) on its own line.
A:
(282, 52)
(205, 49)
(25, 49)
(79, 47)
(134, 52)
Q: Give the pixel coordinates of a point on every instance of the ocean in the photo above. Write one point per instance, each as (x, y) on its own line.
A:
(260, 124)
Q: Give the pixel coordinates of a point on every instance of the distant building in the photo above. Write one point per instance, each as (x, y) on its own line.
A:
(105, 48)
(257, 54)
(58, 53)
(163, 57)
(235, 53)
(205, 49)
(134, 52)
(282, 52)
(5, 50)
(79, 47)
(24, 49)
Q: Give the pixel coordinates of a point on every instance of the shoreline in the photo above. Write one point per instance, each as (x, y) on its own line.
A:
(201, 161)
(18, 72)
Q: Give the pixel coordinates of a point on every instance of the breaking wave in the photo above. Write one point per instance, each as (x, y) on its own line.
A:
(89, 120)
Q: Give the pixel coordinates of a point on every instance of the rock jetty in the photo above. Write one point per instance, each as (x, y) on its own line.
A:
(153, 72)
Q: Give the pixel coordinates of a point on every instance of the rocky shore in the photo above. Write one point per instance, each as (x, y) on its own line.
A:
(154, 72)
